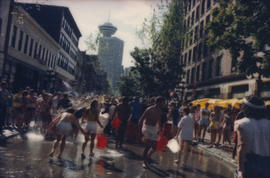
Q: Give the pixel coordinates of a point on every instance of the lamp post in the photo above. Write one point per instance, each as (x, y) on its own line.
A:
(182, 88)
(50, 74)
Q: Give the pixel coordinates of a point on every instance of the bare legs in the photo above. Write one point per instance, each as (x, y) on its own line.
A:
(150, 147)
(92, 144)
(202, 132)
(61, 138)
(185, 148)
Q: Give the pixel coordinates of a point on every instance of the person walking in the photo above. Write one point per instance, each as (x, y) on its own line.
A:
(123, 112)
(253, 134)
(184, 135)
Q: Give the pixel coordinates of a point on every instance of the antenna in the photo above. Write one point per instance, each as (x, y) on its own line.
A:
(109, 16)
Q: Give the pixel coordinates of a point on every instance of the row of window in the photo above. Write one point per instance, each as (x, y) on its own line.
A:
(196, 53)
(203, 3)
(196, 34)
(63, 62)
(204, 71)
(199, 11)
(69, 31)
(67, 47)
(26, 44)
(64, 43)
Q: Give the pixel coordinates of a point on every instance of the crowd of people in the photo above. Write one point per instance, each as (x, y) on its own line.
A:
(144, 120)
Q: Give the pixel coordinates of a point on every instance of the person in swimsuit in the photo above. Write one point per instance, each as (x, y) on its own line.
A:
(151, 127)
(62, 127)
(92, 118)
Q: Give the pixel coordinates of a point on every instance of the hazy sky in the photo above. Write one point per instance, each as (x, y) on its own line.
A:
(126, 15)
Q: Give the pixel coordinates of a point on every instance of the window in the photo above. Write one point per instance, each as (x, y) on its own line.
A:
(205, 49)
(191, 38)
(210, 69)
(198, 73)
(43, 54)
(31, 47)
(46, 56)
(189, 56)
(194, 2)
(203, 6)
(198, 13)
(14, 35)
(36, 51)
(196, 34)
(192, 18)
(26, 44)
(194, 54)
(20, 40)
(208, 4)
(199, 51)
(201, 29)
(192, 75)
(185, 59)
(188, 23)
(204, 71)
(218, 65)
(188, 76)
(49, 59)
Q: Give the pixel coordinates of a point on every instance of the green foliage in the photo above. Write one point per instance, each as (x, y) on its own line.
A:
(95, 79)
(242, 27)
(159, 66)
(128, 85)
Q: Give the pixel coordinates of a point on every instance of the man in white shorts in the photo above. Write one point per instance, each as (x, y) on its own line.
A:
(151, 120)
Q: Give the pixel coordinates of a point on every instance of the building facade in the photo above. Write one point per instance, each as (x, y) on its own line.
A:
(110, 53)
(210, 73)
(4, 18)
(60, 24)
(30, 54)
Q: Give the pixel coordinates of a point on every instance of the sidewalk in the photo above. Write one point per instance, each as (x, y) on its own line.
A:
(223, 152)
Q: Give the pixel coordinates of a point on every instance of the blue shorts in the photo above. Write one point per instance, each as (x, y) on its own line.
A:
(204, 122)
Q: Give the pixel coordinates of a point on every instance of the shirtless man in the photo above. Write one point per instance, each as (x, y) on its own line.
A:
(151, 121)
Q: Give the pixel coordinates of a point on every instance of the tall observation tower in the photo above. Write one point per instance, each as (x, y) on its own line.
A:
(110, 53)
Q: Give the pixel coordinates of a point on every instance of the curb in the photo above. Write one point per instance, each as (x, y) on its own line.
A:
(221, 155)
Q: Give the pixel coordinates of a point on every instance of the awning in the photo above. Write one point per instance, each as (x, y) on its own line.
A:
(218, 102)
(67, 85)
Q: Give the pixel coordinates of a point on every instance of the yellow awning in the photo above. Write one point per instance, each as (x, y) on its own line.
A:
(218, 102)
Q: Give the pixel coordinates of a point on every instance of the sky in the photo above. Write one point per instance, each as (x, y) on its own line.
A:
(126, 15)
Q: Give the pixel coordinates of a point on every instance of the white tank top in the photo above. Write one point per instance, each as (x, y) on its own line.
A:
(257, 135)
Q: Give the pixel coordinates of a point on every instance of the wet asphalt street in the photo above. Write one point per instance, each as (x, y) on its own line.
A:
(27, 156)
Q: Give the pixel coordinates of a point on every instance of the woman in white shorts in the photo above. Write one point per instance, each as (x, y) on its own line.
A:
(92, 118)
(62, 127)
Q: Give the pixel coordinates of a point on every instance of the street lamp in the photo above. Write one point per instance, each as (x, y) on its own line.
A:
(50, 74)
(182, 87)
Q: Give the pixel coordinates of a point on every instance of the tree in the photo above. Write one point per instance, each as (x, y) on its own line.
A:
(144, 72)
(128, 85)
(159, 66)
(95, 78)
(242, 28)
